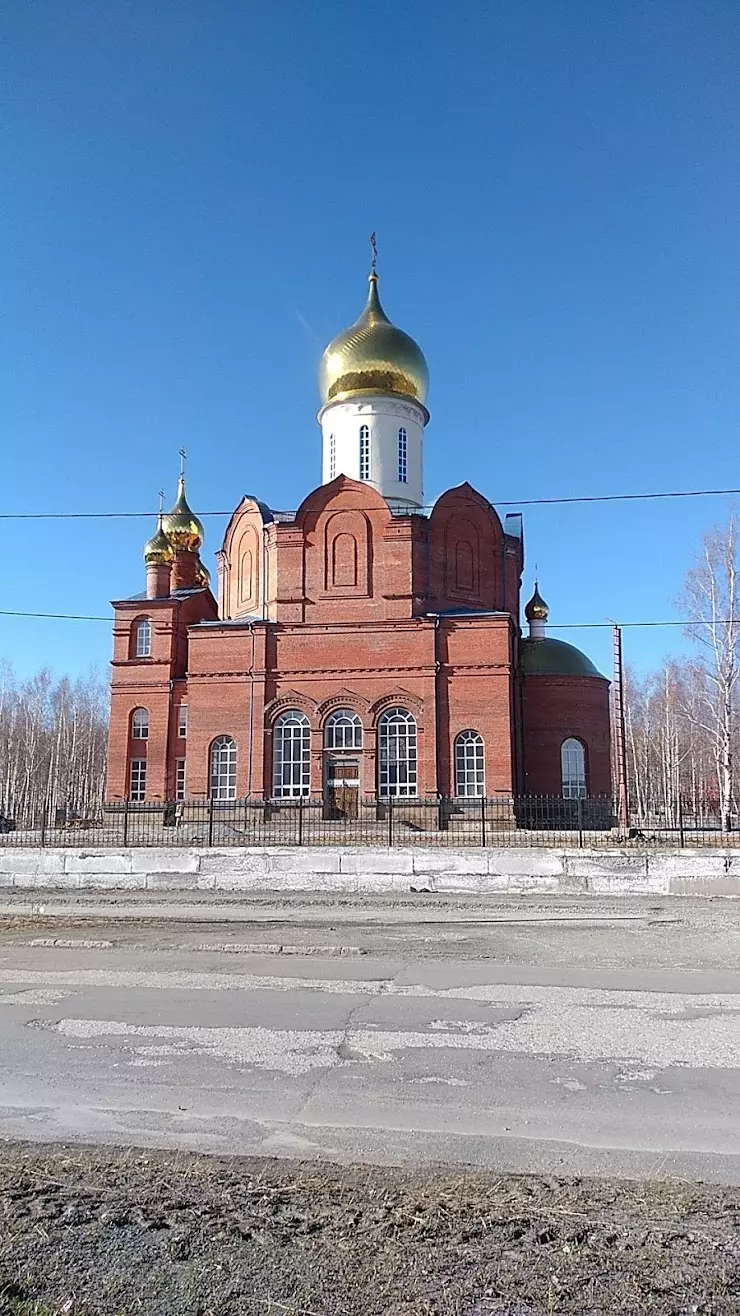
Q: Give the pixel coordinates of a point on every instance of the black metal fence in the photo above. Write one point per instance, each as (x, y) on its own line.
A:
(530, 820)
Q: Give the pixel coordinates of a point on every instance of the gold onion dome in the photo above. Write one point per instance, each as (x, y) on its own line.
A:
(181, 525)
(536, 609)
(158, 550)
(373, 356)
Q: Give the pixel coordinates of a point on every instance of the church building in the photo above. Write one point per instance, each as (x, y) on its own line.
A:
(364, 648)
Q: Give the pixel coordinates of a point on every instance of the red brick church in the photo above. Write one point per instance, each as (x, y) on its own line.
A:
(362, 648)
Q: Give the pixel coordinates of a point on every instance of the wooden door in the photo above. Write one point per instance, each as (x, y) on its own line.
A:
(343, 789)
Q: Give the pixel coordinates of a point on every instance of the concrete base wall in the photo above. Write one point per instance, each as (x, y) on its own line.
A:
(477, 872)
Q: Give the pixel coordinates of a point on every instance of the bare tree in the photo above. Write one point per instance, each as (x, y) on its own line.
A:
(711, 602)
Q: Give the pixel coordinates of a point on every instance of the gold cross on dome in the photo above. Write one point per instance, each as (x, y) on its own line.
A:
(183, 455)
(374, 245)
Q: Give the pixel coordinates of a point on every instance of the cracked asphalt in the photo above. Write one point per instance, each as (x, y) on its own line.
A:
(550, 1035)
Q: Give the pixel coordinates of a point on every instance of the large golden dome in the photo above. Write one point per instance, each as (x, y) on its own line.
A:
(181, 525)
(373, 356)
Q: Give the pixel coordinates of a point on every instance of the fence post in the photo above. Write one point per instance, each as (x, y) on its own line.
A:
(482, 819)
(390, 821)
(125, 822)
(43, 827)
(580, 820)
(210, 821)
(300, 820)
(680, 823)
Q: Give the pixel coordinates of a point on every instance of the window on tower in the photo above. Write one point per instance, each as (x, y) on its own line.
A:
(332, 456)
(402, 456)
(364, 452)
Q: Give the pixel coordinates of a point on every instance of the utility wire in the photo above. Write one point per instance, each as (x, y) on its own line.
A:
(520, 502)
(551, 626)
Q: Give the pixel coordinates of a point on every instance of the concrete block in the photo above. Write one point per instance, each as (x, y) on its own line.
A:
(464, 884)
(234, 863)
(535, 863)
(105, 862)
(31, 861)
(729, 885)
(688, 863)
(164, 861)
(6, 879)
(55, 881)
(112, 881)
(624, 885)
(376, 861)
(169, 881)
(449, 861)
(304, 860)
(527, 883)
(581, 863)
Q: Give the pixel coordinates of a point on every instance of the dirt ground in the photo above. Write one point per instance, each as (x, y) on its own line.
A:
(90, 1231)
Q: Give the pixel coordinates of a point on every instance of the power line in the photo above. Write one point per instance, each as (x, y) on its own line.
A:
(55, 616)
(552, 626)
(519, 502)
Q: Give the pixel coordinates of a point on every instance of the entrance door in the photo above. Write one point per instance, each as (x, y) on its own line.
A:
(343, 789)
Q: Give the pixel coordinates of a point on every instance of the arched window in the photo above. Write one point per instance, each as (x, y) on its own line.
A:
(397, 763)
(143, 646)
(470, 773)
(573, 765)
(291, 762)
(364, 452)
(343, 730)
(223, 769)
(332, 456)
(140, 724)
(402, 456)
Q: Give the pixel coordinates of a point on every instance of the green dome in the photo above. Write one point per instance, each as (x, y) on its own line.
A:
(546, 657)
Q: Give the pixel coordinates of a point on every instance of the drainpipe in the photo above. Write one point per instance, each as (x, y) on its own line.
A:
(251, 714)
(437, 687)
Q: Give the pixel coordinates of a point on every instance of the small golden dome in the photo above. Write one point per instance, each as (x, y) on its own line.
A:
(181, 525)
(536, 609)
(202, 575)
(373, 356)
(158, 550)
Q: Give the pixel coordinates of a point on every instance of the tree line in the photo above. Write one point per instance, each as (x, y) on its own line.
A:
(53, 740)
(682, 730)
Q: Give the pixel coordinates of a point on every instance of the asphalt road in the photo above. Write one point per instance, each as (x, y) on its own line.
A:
(551, 1035)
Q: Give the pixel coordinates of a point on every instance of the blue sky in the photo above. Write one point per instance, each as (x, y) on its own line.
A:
(188, 189)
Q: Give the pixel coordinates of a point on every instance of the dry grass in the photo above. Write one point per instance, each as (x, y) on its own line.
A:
(181, 1235)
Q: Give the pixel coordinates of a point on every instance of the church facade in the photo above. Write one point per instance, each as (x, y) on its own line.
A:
(361, 649)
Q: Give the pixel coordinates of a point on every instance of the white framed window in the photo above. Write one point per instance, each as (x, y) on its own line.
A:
(291, 765)
(179, 779)
(223, 769)
(573, 767)
(397, 754)
(332, 456)
(143, 647)
(137, 781)
(343, 730)
(364, 452)
(182, 720)
(140, 724)
(470, 771)
(403, 452)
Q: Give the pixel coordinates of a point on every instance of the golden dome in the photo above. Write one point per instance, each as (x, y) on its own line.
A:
(536, 609)
(202, 575)
(181, 525)
(373, 356)
(158, 550)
